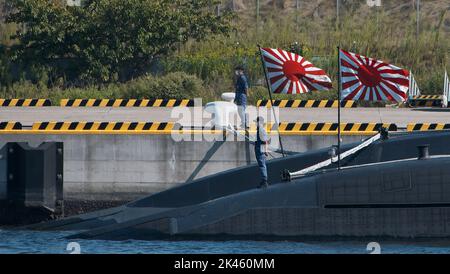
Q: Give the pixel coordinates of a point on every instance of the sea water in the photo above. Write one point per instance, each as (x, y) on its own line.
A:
(29, 242)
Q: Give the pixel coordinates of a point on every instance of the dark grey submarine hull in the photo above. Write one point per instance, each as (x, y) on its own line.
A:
(405, 198)
(382, 190)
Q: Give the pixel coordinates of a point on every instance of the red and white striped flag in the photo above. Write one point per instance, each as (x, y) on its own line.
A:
(364, 78)
(290, 73)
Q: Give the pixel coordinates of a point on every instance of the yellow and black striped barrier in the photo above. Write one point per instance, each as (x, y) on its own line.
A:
(127, 103)
(426, 127)
(306, 128)
(425, 101)
(10, 126)
(103, 127)
(306, 103)
(25, 103)
(427, 97)
(170, 128)
(332, 128)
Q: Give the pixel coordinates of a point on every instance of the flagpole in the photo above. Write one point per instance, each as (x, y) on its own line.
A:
(271, 100)
(339, 108)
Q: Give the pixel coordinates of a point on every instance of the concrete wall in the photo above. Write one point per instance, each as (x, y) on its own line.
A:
(125, 167)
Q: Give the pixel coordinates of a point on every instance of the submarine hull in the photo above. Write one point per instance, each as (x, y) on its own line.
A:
(383, 190)
(384, 200)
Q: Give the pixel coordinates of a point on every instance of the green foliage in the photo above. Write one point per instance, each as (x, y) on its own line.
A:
(378, 35)
(107, 40)
(177, 85)
(110, 41)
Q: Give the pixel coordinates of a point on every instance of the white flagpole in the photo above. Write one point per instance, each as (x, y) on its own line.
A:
(269, 89)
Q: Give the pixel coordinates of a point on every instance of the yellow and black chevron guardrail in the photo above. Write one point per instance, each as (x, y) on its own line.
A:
(426, 101)
(25, 103)
(10, 126)
(106, 127)
(127, 103)
(170, 128)
(305, 128)
(427, 97)
(306, 103)
(332, 128)
(426, 127)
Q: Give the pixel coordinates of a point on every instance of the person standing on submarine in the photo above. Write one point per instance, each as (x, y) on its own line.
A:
(240, 98)
(261, 144)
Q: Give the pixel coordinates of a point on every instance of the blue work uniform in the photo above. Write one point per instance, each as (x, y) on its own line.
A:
(241, 91)
(261, 140)
(241, 98)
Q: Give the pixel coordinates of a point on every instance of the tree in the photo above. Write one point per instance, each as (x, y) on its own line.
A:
(107, 40)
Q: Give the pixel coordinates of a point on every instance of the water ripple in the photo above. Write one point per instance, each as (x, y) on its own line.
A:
(32, 242)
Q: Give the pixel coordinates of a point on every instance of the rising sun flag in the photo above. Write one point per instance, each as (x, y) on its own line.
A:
(290, 73)
(364, 78)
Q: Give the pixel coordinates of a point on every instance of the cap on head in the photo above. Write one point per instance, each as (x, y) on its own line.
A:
(259, 120)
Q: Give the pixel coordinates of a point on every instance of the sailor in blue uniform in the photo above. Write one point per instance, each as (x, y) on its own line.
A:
(241, 95)
(262, 141)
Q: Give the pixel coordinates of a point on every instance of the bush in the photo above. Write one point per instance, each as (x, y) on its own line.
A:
(177, 85)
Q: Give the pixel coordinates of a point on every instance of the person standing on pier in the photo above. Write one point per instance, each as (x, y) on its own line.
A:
(241, 95)
(261, 144)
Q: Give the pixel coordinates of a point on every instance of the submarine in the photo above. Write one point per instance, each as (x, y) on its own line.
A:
(389, 185)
